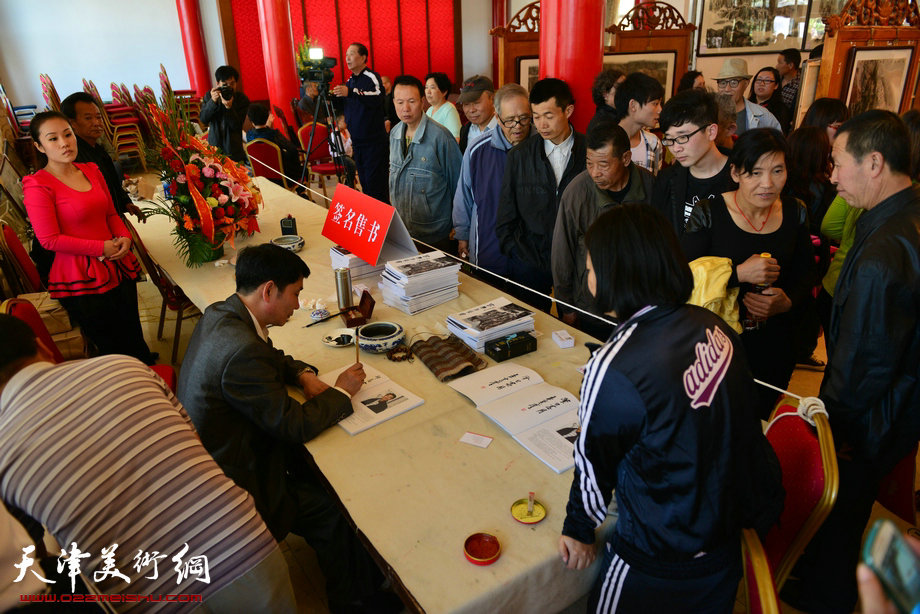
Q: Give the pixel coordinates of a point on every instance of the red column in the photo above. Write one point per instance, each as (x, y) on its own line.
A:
(499, 18)
(572, 49)
(278, 52)
(196, 59)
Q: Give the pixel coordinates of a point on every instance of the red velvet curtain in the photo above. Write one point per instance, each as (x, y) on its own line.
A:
(404, 36)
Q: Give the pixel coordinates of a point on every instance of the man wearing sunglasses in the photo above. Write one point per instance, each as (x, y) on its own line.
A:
(689, 122)
(733, 79)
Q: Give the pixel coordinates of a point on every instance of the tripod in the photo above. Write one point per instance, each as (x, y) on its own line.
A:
(336, 144)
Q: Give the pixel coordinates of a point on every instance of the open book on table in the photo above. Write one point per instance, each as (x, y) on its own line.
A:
(541, 417)
(378, 400)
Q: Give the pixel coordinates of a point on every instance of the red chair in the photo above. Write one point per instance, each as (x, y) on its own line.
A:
(809, 465)
(26, 311)
(319, 160)
(266, 161)
(11, 245)
(759, 589)
(173, 296)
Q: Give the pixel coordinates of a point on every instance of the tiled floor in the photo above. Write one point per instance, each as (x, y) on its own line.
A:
(305, 574)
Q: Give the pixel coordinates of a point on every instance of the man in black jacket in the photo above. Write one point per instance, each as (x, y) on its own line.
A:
(871, 386)
(690, 123)
(536, 175)
(224, 111)
(233, 385)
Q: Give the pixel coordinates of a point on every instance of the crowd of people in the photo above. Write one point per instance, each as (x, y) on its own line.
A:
(817, 231)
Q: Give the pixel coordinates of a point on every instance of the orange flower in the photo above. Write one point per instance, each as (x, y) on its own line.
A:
(189, 224)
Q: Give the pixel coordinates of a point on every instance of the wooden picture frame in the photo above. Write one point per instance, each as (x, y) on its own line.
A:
(808, 86)
(732, 27)
(877, 78)
(658, 64)
(528, 71)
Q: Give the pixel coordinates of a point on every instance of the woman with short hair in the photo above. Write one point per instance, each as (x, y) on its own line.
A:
(443, 111)
(667, 427)
(765, 234)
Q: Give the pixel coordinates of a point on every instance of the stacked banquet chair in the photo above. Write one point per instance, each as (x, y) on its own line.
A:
(121, 95)
(49, 93)
(122, 127)
(23, 277)
(187, 100)
(20, 116)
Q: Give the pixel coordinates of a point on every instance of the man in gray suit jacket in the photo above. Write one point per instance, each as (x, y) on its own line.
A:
(233, 384)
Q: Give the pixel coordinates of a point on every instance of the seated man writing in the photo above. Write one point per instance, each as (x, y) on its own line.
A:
(234, 385)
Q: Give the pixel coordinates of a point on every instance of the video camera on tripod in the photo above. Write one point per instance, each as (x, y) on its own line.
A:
(318, 68)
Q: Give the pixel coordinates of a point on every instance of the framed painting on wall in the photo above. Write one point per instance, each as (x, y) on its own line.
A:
(818, 10)
(528, 71)
(808, 86)
(730, 27)
(877, 78)
(657, 64)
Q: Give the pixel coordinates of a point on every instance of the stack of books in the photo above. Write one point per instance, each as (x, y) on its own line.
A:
(341, 258)
(417, 283)
(496, 319)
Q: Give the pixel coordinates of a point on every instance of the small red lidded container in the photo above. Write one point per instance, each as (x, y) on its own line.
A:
(482, 548)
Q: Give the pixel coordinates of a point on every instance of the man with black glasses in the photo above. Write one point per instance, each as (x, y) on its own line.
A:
(690, 122)
(476, 200)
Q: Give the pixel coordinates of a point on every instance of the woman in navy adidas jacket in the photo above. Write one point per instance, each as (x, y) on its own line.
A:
(667, 424)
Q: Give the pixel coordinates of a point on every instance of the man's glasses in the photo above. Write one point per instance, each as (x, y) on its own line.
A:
(724, 83)
(682, 139)
(511, 122)
(763, 81)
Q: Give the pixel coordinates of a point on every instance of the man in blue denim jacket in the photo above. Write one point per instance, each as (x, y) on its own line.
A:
(424, 168)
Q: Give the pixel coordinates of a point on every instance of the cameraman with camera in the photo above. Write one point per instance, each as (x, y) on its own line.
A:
(364, 113)
(224, 112)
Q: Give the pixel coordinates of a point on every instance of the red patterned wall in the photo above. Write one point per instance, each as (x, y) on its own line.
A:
(404, 36)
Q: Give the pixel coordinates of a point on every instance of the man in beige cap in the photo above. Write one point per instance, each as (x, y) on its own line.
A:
(476, 97)
(733, 79)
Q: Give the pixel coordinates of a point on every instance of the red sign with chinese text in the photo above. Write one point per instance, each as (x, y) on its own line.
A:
(358, 223)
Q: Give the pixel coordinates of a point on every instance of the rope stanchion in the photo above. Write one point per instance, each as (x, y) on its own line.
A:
(460, 260)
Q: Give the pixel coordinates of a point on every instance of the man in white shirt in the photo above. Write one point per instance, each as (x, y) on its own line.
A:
(536, 174)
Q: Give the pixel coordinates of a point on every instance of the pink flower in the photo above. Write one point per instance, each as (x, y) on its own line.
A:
(207, 171)
(181, 178)
(236, 190)
(222, 199)
(222, 175)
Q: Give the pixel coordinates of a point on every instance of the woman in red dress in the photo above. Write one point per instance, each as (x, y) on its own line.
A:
(94, 274)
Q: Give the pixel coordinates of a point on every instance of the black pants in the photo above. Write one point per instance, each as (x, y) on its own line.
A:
(349, 570)
(827, 569)
(622, 588)
(535, 279)
(111, 321)
(373, 164)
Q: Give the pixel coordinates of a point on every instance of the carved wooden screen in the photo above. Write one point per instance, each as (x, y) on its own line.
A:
(873, 25)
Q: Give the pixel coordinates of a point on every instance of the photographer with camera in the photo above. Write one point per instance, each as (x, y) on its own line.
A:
(364, 112)
(224, 112)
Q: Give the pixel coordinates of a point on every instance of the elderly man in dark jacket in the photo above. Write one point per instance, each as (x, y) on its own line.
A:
(536, 174)
(233, 384)
(610, 179)
(224, 111)
(871, 385)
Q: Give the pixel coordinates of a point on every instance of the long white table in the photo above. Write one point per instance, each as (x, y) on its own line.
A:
(410, 486)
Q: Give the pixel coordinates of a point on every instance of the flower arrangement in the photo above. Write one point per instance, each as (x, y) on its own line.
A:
(210, 197)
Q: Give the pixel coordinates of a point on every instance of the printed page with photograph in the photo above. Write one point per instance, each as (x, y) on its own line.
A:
(378, 400)
(541, 417)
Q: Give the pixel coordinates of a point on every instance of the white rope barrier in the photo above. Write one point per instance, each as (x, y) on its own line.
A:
(460, 260)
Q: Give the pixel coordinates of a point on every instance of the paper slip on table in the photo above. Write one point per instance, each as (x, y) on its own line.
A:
(412, 489)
